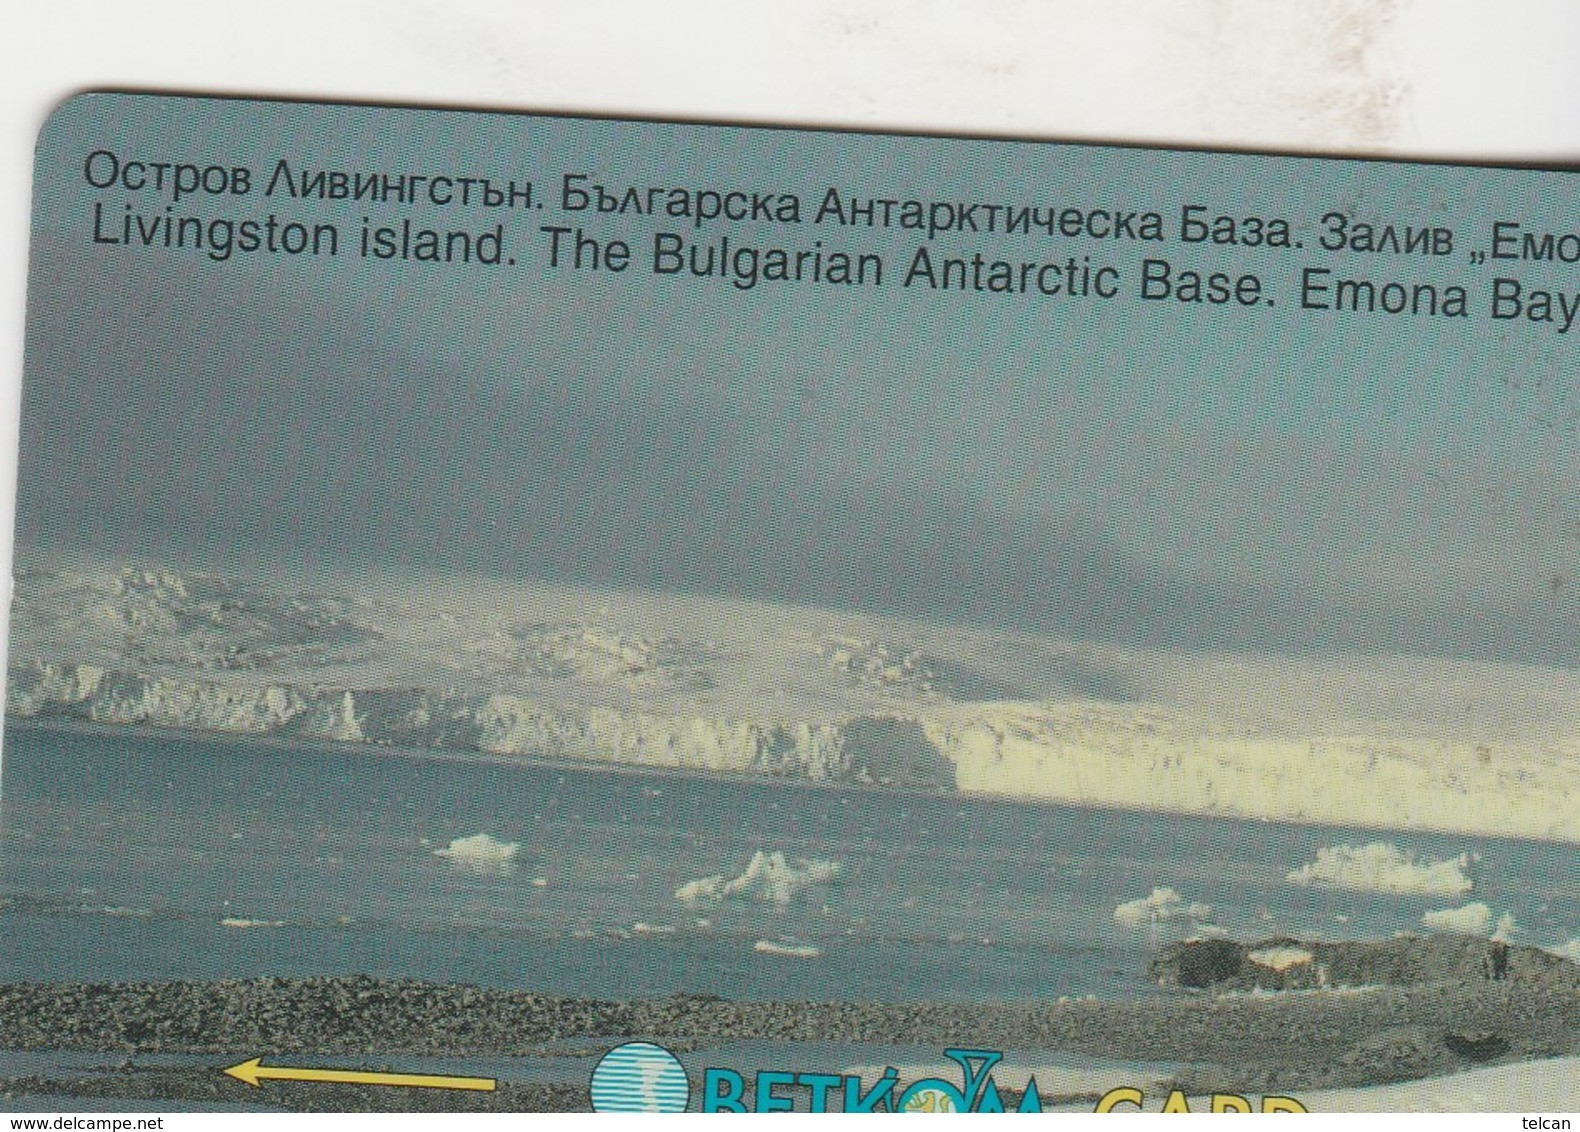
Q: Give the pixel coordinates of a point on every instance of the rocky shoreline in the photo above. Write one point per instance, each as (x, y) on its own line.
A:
(1229, 1035)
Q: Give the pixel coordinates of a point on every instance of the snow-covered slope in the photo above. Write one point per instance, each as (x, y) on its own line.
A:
(1544, 1086)
(727, 685)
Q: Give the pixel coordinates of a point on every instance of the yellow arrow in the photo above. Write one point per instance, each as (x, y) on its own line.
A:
(254, 1074)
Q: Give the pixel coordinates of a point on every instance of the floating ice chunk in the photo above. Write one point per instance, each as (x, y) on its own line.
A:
(239, 922)
(1383, 867)
(1474, 918)
(772, 878)
(480, 851)
(1163, 905)
(1570, 950)
(702, 893)
(788, 950)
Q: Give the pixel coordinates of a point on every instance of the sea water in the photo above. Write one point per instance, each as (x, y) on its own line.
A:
(136, 854)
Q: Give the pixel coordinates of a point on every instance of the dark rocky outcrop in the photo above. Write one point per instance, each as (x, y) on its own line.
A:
(1290, 964)
(1206, 962)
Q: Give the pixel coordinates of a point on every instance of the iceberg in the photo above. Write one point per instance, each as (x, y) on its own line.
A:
(1163, 905)
(704, 892)
(480, 851)
(771, 878)
(787, 950)
(1472, 919)
(1384, 868)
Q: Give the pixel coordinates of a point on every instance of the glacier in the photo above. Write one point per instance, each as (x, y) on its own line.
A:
(514, 669)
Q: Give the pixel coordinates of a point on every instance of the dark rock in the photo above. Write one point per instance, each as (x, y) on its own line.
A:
(1404, 961)
(1402, 1053)
(1202, 963)
(1479, 1045)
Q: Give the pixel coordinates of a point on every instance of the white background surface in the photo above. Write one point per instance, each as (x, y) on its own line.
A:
(1428, 78)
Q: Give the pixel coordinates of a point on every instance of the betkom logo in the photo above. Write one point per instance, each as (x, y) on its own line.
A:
(644, 1077)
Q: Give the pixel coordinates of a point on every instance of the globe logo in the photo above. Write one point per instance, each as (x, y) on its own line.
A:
(929, 1100)
(640, 1077)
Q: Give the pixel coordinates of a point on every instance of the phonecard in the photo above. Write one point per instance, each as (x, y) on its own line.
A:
(530, 612)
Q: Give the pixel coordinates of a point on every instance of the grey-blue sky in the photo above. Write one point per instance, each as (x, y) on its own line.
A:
(1122, 469)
